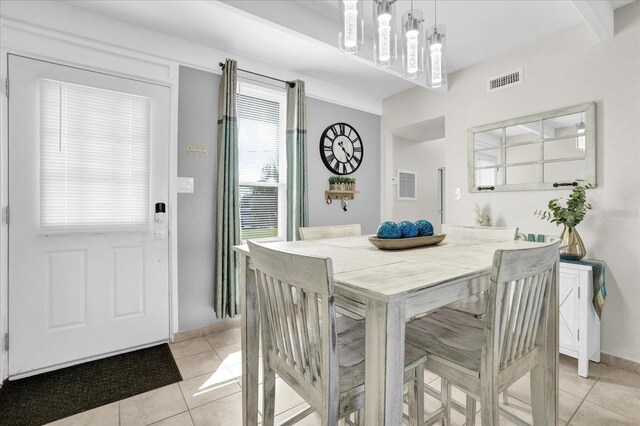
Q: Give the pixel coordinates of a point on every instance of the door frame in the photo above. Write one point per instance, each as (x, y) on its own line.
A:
(38, 44)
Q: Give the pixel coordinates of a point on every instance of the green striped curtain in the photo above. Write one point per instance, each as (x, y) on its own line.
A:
(227, 200)
(297, 181)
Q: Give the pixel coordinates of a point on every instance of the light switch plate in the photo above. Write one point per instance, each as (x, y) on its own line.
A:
(185, 185)
(458, 194)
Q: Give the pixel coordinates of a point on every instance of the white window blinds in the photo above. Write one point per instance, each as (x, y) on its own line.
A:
(94, 159)
(262, 162)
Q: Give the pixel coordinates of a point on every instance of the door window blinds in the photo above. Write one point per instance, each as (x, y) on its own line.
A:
(94, 159)
(262, 162)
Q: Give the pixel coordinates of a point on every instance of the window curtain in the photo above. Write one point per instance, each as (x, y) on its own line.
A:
(227, 202)
(297, 182)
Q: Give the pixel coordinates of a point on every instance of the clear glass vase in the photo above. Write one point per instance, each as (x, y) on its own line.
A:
(572, 247)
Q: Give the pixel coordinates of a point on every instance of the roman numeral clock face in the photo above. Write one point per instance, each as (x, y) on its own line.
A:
(341, 149)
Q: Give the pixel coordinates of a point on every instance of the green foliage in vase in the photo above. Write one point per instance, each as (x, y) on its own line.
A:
(571, 214)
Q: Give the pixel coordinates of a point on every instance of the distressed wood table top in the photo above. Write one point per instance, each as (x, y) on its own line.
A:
(387, 274)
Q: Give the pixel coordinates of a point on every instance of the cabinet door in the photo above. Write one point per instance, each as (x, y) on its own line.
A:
(569, 311)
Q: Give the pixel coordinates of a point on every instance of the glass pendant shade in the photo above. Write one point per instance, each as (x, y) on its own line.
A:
(436, 56)
(384, 37)
(350, 37)
(412, 44)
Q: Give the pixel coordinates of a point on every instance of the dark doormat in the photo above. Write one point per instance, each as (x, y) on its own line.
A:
(51, 396)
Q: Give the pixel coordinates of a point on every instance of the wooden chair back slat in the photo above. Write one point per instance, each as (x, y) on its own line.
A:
(320, 232)
(518, 302)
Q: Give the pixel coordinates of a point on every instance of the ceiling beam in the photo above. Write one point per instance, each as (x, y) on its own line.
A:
(598, 15)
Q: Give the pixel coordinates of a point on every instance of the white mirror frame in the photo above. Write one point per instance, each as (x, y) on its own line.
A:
(589, 111)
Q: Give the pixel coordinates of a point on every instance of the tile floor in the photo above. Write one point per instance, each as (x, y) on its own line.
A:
(210, 393)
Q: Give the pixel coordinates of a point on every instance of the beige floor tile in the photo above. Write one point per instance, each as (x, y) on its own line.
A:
(517, 408)
(182, 419)
(198, 364)
(521, 390)
(571, 364)
(627, 379)
(236, 370)
(224, 338)
(457, 395)
(619, 391)
(187, 335)
(572, 383)
(568, 403)
(230, 354)
(431, 405)
(209, 387)
(591, 414)
(189, 347)
(226, 411)
(102, 416)
(286, 398)
(313, 419)
(152, 406)
(429, 376)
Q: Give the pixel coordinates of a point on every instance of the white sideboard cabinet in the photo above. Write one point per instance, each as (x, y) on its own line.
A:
(579, 322)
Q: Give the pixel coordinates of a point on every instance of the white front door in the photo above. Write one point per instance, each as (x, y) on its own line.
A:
(88, 264)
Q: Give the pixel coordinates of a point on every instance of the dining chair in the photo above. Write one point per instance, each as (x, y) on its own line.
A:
(319, 356)
(483, 357)
(476, 305)
(319, 232)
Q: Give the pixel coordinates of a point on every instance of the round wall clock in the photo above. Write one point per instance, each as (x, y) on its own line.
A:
(341, 149)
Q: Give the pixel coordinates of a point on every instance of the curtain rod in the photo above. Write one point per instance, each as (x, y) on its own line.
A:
(288, 83)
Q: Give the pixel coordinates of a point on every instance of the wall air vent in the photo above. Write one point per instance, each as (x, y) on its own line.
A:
(407, 185)
(505, 80)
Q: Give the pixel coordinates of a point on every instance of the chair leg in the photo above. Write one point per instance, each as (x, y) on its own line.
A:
(445, 389)
(471, 411)
(416, 397)
(538, 395)
(490, 409)
(268, 395)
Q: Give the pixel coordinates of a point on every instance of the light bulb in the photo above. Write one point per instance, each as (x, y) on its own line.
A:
(412, 51)
(350, 23)
(436, 64)
(384, 37)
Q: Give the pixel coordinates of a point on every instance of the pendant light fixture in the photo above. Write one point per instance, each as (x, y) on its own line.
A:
(350, 38)
(412, 43)
(385, 38)
(436, 61)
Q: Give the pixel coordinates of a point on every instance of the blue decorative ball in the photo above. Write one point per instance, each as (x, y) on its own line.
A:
(408, 229)
(425, 228)
(388, 230)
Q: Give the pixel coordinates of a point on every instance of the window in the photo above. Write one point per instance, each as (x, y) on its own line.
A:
(262, 162)
(94, 159)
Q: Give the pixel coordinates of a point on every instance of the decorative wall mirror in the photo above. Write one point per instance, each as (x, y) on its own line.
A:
(550, 150)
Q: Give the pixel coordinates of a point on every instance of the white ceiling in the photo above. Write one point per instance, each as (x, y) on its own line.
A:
(301, 35)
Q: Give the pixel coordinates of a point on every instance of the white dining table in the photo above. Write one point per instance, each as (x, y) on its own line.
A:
(388, 288)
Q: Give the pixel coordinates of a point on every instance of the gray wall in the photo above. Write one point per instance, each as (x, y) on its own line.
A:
(365, 208)
(198, 106)
(197, 123)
